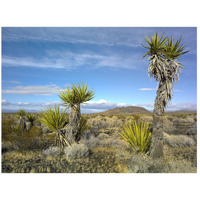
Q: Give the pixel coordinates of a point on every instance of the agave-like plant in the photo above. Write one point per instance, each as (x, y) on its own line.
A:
(31, 118)
(165, 69)
(138, 136)
(72, 98)
(55, 119)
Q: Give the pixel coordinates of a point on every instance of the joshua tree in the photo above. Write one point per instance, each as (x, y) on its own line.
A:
(72, 98)
(31, 118)
(22, 121)
(55, 119)
(165, 69)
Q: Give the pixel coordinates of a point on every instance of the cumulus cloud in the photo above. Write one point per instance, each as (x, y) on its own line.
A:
(34, 90)
(92, 106)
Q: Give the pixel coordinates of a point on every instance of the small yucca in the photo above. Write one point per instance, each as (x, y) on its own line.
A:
(138, 136)
(31, 118)
(54, 118)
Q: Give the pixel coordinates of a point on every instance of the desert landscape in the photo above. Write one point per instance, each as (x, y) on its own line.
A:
(79, 100)
(101, 149)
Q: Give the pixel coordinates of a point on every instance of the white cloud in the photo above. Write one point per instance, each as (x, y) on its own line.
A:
(30, 62)
(72, 60)
(34, 90)
(153, 89)
(96, 36)
(147, 89)
(92, 106)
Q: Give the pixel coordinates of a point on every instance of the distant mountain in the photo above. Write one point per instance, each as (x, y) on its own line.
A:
(182, 111)
(126, 110)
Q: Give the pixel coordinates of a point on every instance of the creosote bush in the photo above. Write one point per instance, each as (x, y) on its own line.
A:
(51, 151)
(138, 136)
(77, 151)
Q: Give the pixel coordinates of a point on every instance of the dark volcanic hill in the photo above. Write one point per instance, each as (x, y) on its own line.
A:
(126, 110)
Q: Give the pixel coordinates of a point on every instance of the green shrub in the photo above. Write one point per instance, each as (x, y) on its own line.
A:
(138, 136)
(22, 140)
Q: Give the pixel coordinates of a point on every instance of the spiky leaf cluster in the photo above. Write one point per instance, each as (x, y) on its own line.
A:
(76, 95)
(31, 118)
(138, 136)
(155, 44)
(163, 66)
(54, 117)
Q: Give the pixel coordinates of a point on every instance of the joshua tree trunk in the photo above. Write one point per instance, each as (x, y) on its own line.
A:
(157, 134)
(22, 122)
(74, 124)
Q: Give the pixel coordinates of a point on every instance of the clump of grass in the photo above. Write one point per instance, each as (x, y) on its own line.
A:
(138, 136)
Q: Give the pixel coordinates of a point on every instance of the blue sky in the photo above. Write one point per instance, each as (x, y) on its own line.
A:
(37, 62)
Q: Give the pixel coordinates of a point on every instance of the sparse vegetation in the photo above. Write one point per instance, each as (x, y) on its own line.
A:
(100, 149)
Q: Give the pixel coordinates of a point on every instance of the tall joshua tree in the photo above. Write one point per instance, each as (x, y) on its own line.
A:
(165, 69)
(72, 98)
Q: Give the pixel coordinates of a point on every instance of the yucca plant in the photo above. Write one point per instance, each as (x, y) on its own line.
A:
(55, 119)
(72, 98)
(164, 68)
(138, 136)
(31, 118)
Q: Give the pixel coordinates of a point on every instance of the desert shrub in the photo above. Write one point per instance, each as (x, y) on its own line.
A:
(103, 136)
(136, 117)
(139, 164)
(178, 140)
(110, 142)
(138, 136)
(83, 127)
(97, 122)
(103, 140)
(51, 151)
(9, 128)
(91, 143)
(31, 140)
(77, 151)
